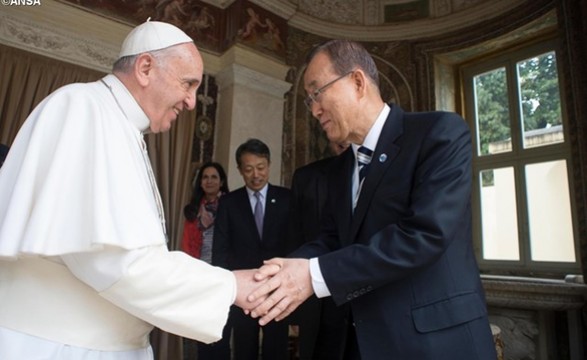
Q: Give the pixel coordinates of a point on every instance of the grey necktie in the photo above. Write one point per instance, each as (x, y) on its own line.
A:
(259, 214)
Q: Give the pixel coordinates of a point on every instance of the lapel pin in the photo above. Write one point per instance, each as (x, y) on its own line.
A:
(382, 158)
(273, 201)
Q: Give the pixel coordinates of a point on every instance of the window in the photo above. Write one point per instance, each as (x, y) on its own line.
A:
(523, 218)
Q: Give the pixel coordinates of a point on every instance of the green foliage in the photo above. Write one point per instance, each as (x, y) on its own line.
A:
(493, 115)
(539, 91)
(539, 100)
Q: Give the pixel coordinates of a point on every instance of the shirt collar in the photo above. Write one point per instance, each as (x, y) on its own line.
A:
(372, 137)
(127, 103)
(263, 191)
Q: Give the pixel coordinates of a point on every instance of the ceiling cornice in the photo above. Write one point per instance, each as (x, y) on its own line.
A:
(281, 8)
(418, 29)
(221, 4)
(62, 32)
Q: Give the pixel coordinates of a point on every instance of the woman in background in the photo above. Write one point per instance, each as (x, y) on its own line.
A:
(198, 229)
(198, 232)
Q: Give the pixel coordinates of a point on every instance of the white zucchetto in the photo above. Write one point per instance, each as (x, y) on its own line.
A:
(151, 36)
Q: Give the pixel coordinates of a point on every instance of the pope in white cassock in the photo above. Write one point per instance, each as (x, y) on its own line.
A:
(85, 272)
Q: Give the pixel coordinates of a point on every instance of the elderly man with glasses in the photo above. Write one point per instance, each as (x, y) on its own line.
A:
(395, 241)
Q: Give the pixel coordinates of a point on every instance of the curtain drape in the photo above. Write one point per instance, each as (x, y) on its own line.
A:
(170, 155)
(26, 79)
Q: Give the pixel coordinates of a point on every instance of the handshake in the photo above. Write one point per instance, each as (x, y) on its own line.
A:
(274, 290)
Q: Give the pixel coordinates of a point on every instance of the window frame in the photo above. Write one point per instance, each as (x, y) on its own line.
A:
(518, 158)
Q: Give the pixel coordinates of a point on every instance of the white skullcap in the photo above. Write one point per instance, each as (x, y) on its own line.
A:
(151, 36)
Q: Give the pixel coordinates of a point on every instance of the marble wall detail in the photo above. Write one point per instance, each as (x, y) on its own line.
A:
(203, 141)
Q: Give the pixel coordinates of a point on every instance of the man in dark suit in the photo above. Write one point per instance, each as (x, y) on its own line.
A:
(395, 242)
(251, 226)
(3, 153)
(321, 323)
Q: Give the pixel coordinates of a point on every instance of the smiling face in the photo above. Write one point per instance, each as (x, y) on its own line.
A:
(255, 170)
(211, 182)
(346, 104)
(334, 107)
(175, 78)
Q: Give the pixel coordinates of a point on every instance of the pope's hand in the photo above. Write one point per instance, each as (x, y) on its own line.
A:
(245, 284)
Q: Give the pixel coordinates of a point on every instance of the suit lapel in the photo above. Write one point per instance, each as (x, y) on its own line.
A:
(384, 155)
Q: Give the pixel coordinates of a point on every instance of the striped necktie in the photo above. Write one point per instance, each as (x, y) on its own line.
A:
(363, 160)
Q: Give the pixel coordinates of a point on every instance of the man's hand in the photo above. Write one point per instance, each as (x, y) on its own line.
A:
(286, 283)
(246, 284)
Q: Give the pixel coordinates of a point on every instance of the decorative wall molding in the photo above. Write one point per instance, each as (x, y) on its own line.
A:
(372, 13)
(67, 33)
(236, 74)
(411, 30)
(221, 4)
(250, 58)
(334, 11)
(41, 39)
(532, 336)
(441, 8)
(536, 294)
(284, 9)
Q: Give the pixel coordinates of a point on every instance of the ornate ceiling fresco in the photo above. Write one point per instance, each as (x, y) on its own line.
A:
(343, 12)
(263, 24)
(212, 27)
(373, 12)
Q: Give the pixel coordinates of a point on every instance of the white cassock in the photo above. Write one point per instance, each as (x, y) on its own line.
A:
(84, 267)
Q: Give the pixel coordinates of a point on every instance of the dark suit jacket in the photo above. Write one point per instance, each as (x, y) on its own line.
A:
(309, 187)
(404, 260)
(322, 323)
(237, 244)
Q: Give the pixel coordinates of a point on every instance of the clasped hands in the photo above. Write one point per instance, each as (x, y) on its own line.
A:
(274, 290)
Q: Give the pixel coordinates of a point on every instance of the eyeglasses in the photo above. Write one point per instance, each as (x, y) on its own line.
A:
(314, 97)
